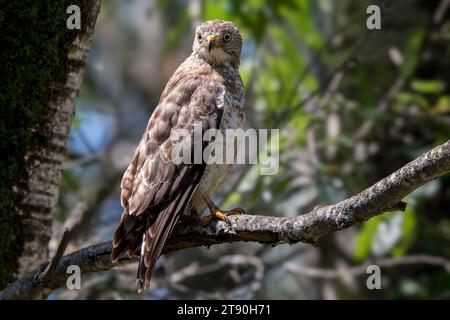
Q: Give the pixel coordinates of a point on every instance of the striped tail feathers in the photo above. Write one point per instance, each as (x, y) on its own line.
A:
(157, 234)
(133, 231)
(153, 226)
(128, 236)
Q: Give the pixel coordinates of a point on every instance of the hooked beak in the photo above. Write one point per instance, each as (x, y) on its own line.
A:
(211, 41)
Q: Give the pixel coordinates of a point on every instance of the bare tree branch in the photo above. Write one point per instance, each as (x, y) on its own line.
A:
(362, 268)
(229, 264)
(385, 195)
(57, 257)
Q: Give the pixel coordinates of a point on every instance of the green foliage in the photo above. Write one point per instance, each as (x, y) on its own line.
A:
(364, 239)
(253, 15)
(411, 59)
(422, 287)
(395, 86)
(409, 233)
(428, 86)
(341, 131)
(173, 35)
(34, 41)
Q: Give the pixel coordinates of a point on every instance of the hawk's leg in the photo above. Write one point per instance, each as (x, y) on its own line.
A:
(216, 213)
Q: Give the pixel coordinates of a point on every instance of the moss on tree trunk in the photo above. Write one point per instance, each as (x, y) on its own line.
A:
(35, 63)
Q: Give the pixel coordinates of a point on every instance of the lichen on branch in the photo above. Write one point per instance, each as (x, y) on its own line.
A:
(385, 195)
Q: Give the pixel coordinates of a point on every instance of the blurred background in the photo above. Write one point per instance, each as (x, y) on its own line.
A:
(353, 105)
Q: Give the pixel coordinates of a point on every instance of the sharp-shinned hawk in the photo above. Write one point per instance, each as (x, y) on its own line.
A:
(207, 89)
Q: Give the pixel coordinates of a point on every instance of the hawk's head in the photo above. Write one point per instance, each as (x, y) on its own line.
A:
(218, 41)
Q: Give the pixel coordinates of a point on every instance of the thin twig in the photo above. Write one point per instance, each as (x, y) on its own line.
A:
(44, 276)
(362, 269)
(440, 11)
(229, 263)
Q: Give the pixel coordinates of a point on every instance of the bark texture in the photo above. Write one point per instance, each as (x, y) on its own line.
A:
(42, 64)
(385, 195)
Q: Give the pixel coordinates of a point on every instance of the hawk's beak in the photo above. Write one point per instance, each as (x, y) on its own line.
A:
(211, 41)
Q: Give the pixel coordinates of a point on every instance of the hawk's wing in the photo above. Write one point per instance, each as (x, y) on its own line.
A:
(155, 191)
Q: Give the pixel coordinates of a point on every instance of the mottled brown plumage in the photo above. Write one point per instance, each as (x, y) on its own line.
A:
(206, 88)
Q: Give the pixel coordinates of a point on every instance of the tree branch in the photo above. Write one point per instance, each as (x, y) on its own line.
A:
(44, 276)
(346, 271)
(385, 195)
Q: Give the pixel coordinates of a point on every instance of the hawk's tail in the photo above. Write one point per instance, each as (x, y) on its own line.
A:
(128, 235)
(132, 231)
(156, 235)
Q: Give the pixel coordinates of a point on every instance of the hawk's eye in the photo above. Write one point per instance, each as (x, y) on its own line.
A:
(227, 37)
(199, 37)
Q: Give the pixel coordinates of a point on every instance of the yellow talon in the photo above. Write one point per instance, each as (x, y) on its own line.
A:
(221, 215)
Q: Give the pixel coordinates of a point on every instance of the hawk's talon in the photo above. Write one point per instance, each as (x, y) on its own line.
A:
(216, 213)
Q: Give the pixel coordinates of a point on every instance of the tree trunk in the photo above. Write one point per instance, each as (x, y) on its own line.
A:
(41, 68)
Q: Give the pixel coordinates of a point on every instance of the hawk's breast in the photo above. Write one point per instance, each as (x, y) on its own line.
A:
(215, 174)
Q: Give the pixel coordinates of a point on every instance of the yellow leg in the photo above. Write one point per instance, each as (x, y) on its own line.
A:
(216, 213)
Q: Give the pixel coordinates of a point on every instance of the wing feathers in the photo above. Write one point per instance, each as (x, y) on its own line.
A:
(158, 243)
(156, 191)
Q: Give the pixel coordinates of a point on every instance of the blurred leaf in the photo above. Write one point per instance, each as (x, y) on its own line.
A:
(363, 240)
(232, 198)
(70, 181)
(302, 21)
(365, 89)
(427, 86)
(408, 98)
(412, 288)
(410, 56)
(408, 236)
(177, 32)
(301, 122)
(443, 104)
(212, 10)
(76, 122)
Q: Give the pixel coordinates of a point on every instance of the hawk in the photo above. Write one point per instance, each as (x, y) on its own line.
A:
(206, 89)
